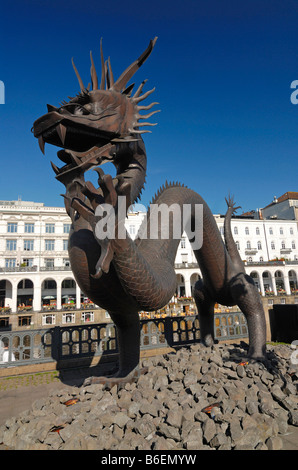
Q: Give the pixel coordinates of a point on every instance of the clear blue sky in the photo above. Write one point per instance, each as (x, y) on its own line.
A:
(222, 72)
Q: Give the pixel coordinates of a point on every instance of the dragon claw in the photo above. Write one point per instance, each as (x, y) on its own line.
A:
(119, 379)
(231, 204)
(103, 263)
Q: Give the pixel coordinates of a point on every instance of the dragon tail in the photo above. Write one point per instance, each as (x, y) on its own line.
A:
(229, 239)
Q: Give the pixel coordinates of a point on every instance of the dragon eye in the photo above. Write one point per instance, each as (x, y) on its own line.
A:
(80, 110)
(74, 108)
(97, 108)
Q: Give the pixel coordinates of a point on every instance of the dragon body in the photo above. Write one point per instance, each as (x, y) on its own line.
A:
(121, 275)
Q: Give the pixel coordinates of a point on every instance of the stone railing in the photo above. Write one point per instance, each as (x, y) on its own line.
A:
(79, 341)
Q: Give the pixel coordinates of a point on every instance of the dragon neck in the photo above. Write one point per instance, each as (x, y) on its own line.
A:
(131, 164)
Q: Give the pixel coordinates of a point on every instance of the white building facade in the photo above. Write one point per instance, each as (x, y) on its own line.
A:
(35, 269)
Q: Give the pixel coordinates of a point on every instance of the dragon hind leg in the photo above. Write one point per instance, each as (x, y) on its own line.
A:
(247, 297)
(128, 338)
(205, 306)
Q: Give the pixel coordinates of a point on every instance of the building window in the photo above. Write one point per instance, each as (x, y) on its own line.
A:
(49, 262)
(4, 322)
(257, 231)
(282, 301)
(10, 262)
(68, 318)
(183, 243)
(66, 262)
(132, 229)
(293, 245)
(25, 284)
(248, 245)
(66, 228)
(270, 231)
(28, 245)
(27, 262)
(65, 244)
(249, 259)
(49, 245)
(261, 259)
(12, 227)
(291, 231)
(49, 319)
(283, 245)
(259, 245)
(246, 231)
(50, 228)
(29, 227)
(184, 258)
(24, 321)
(272, 246)
(238, 245)
(87, 317)
(281, 231)
(11, 245)
(69, 284)
(49, 284)
(270, 301)
(235, 230)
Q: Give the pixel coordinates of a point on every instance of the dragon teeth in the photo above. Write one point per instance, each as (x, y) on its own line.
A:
(55, 168)
(75, 160)
(41, 143)
(61, 131)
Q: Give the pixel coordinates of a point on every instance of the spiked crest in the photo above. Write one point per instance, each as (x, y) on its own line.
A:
(107, 83)
(98, 117)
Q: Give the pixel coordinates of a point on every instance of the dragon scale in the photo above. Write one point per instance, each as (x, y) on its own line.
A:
(117, 273)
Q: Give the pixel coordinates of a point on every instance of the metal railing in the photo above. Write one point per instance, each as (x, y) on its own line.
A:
(78, 341)
(18, 269)
(30, 269)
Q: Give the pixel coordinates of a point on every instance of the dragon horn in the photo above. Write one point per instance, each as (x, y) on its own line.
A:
(131, 70)
(102, 82)
(111, 72)
(78, 76)
(93, 74)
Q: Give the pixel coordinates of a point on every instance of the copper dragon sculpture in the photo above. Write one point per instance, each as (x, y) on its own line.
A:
(104, 124)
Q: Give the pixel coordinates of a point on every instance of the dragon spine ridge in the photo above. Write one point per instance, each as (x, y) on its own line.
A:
(120, 275)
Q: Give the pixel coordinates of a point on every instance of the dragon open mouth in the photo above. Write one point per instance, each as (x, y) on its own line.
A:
(69, 133)
(83, 146)
(96, 126)
(71, 138)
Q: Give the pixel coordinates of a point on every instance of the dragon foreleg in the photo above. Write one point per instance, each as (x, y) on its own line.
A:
(120, 275)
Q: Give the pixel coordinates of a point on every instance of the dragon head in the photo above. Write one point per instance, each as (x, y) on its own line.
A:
(90, 124)
(98, 125)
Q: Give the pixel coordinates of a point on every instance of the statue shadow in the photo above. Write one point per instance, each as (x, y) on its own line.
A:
(83, 351)
(80, 352)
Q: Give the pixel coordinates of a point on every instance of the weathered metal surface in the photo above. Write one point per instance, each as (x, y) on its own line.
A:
(105, 124)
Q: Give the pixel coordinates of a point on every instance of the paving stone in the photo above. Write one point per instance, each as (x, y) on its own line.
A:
(274, 443)
(209, 430)
(293, 415)
(174, 417)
